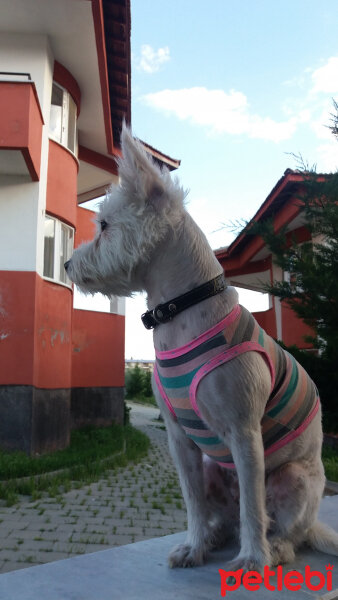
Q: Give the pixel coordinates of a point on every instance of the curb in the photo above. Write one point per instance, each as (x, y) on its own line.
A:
(331, 488)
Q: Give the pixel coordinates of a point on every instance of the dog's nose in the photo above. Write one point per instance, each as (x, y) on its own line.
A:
(66, 265)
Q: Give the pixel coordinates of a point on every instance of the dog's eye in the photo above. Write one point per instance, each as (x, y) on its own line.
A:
(104, 225)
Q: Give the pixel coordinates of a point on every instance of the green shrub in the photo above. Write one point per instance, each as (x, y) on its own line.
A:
(138, 385)
(325, 377)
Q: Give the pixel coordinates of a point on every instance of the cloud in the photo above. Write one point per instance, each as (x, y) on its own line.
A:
(221, 112)
(151, 60)
(320, 121)
(229, 112)
(325, 78)
(327, 157)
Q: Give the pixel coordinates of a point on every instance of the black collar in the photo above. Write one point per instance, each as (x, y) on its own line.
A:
(162, 313)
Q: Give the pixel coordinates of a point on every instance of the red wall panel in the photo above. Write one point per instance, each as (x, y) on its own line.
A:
(52, 357)
(21, 123)
(267, 320)
(17, 322)
(85, 226)
(35, 331)
(62, 183)
(293, 329)
(98, 349)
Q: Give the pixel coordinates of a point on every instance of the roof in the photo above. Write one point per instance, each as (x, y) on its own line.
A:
(117, 28)
(289, 184)
(171, 163)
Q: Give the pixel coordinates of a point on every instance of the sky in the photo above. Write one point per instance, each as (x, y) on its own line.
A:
(232, 88)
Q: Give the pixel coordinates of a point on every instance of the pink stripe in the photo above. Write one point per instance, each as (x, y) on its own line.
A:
(223, 358)
(186, 367)
(227, 465)
(162, 392)
(230, 318)
(202, 433)
(294, 434)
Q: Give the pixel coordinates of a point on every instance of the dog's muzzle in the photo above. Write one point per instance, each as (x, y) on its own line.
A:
(66, 265)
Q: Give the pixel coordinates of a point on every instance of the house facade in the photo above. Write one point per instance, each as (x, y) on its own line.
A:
(248, 263)
(64, 92)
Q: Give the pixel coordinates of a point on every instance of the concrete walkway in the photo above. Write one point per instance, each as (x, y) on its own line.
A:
(134, 503)
(140, 572)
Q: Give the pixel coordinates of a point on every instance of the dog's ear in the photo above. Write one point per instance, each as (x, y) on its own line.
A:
(141, 178)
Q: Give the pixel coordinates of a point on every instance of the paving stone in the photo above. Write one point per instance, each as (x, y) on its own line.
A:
(116, 510)
(45, 557)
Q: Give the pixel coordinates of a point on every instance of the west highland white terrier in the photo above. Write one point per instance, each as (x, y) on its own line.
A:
(243, 418)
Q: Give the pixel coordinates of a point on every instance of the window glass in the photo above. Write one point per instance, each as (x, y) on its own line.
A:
(72, 125)
(56, 110)
(48, 263)
(63, 114)
(66, 250)
(58, 248)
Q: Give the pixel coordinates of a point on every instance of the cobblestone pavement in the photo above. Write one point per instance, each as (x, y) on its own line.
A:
(130, 504)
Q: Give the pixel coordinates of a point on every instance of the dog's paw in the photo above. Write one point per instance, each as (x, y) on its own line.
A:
(282, 551)
(185, 555)
(218, 536)
(247, 563)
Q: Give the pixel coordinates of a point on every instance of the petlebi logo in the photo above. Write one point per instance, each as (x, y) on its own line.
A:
(290, 580)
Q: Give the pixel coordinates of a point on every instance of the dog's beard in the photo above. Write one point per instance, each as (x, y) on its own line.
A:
(91, 280)
(95, 287)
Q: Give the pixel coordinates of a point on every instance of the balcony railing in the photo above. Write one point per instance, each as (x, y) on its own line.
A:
(11, 76)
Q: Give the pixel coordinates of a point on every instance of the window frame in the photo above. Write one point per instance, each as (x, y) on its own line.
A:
(58, 225)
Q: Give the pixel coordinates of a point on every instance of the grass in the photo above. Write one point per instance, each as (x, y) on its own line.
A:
(330, 460)
(145, 400)
(91, 453)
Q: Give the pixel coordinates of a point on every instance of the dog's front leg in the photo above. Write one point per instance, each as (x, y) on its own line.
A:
(248, 453)
(187, 458)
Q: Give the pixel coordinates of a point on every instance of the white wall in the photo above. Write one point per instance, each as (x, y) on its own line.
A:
(99, 303)
(23, 202)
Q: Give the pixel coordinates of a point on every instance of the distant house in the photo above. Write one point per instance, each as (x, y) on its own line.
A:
(64, 92)
(248, 263)
(145, 365)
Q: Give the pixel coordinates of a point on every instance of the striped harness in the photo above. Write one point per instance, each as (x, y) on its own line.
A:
(293, 401)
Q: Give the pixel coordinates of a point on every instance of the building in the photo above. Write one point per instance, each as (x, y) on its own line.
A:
(145, 365)
(64, 92)
(248, 263)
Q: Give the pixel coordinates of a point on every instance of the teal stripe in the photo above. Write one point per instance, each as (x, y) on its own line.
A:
(180, 381)
(288, 392)
(261, 337)
(205, 441)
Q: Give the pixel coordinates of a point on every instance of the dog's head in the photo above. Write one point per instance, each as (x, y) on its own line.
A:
(133, 221)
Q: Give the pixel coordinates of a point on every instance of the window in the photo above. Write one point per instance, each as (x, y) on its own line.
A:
(48, 258)
(58, 248)
(62, 122)
(291, 275)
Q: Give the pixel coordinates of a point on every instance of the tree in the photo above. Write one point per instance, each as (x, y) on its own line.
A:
(312, 287)
(134, 382)
(147, 388)
(138, 385)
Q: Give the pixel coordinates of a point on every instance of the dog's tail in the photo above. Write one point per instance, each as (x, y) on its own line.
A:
(321, 537)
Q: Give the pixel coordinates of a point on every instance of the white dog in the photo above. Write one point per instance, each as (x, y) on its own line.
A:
(223, 386)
